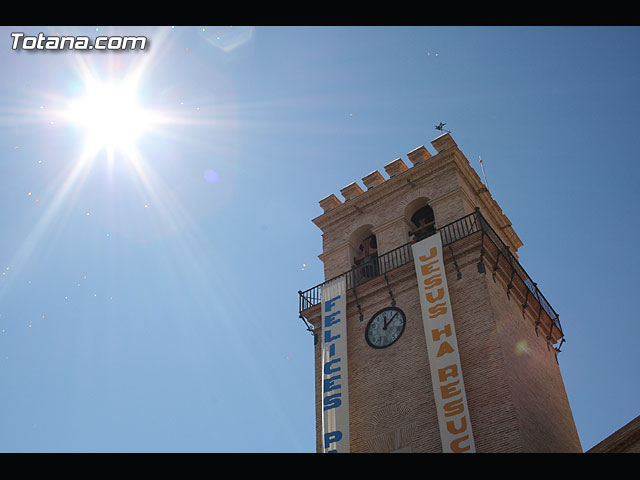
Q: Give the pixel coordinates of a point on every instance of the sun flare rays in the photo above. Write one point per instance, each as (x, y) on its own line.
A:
(106, 122)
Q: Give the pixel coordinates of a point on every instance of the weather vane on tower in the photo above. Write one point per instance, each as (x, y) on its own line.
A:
(439, 127)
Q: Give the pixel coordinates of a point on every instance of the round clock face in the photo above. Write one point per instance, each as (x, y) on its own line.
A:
(385, 327)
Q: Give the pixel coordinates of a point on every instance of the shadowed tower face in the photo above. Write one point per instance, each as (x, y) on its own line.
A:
(429, 334)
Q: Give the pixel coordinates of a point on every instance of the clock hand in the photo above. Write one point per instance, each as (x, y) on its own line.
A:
(386, 324)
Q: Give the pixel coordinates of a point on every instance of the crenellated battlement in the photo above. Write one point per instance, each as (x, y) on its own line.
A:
(394, 168)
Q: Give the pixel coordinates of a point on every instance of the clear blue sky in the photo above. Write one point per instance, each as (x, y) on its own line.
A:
(155, 309)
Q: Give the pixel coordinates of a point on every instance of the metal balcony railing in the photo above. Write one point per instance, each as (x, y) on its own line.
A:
(450, 233)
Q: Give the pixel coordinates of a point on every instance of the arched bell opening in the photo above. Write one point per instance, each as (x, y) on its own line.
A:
(365, 254)
(421, 219)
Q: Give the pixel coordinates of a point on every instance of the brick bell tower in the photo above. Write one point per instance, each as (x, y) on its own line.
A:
(429, 334)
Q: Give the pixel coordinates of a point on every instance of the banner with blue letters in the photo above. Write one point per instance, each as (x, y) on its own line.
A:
(335, 381)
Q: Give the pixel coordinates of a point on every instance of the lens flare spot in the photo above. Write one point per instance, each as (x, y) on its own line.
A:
(522, 347)
(229, 38)
(211, 176)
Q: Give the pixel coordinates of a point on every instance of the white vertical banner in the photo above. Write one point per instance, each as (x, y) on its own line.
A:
(442, 347)
(335, 380)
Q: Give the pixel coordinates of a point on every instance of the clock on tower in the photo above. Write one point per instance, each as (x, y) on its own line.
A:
(429, 334)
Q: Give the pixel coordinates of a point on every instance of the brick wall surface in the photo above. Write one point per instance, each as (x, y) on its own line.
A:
(537, 390)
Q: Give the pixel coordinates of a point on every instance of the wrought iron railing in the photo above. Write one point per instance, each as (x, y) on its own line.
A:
(395, 258)
(516, 268)
(450, 233)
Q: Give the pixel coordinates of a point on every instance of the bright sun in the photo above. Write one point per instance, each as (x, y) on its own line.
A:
(110, 114)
